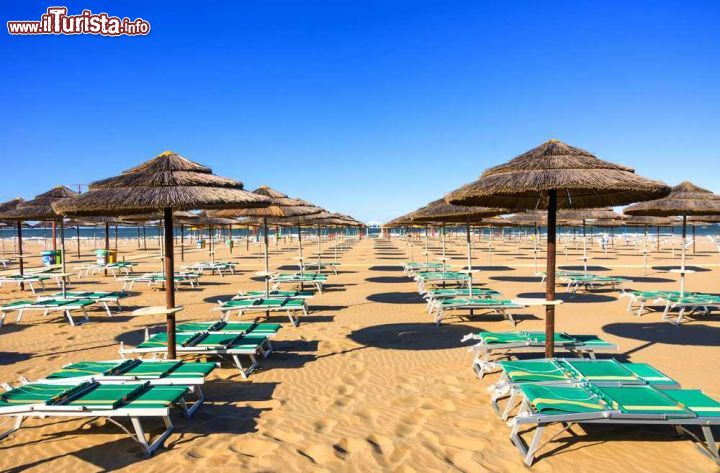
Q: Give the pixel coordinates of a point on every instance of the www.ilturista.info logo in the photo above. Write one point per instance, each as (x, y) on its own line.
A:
(57, 21)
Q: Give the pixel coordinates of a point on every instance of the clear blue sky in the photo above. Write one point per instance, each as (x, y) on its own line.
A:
(368, 107)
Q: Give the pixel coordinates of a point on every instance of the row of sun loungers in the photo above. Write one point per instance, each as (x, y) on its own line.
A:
(543, 393)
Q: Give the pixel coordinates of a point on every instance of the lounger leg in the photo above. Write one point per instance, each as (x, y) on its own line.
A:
(245, 372)
(530, 456)
(196, 403)
(69, 318)
(292, 319)
(710, 444)
(18, 423)
(2, 318)
(107, 309)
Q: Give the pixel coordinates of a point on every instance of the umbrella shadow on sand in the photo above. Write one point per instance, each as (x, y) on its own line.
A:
(535, 279)
(692, 334)
(412, 336)
(388, 279)
(11, 357)
(219, 414)
(396, 298)
(570, 298)
(385, 268)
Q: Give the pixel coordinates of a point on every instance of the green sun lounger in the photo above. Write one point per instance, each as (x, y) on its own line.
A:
(274, 295)
(156, 372)
(571, 370)
(64, 306)
(101, 297)
(224, 345)
(414, 267)
(492, 346)
(135, 401)
(158, 279)
(249, 328)
(28, 279)
(439, 307)
(593, 281)
(218, 266)
(242, 306)
(583, 403)
(314, 279)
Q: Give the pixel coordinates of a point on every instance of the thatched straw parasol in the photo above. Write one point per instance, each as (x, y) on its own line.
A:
(6, 207)
(40, 208)
(281, 207)
(700, 219)
(686, 199)
(556, 176)
(439, 211)
(165, 183)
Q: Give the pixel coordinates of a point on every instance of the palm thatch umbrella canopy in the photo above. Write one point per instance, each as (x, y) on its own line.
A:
(686, 199)
(700, 219)
(40, 208)
(165, 183)
(647, 221)
(557, 176)
(281, 206)
(440, 211)
(10, 205)
(6, 207)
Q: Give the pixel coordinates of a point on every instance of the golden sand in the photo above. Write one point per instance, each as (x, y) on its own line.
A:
(366, 382)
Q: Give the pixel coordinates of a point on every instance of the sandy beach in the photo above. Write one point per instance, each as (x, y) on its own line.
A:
(366, 382)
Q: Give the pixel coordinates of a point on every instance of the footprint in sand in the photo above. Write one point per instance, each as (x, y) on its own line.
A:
(324, 426)
(319, 453)
(254, 447)
(381, 445)
(284, 436)
(367, 416)
(349, 446)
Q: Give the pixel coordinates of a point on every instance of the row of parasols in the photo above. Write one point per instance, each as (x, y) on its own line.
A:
(556, 183)
(167, 188)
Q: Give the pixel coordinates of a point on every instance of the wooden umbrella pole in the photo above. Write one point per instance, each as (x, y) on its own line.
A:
(267, 257)
(54, 236)
(107, 246)
(169, 282)
(182, 242)
(21, 262)
(77, 235)
(62, 258)
(550, 279)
